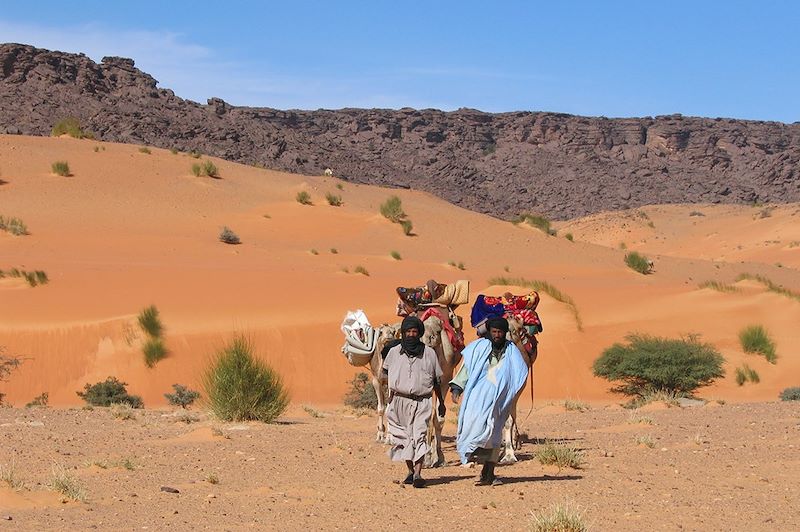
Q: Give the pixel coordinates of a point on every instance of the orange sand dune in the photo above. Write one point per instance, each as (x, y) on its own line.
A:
(130, 229)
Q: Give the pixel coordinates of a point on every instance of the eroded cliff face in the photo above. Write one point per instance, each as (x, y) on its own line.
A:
(501, 164)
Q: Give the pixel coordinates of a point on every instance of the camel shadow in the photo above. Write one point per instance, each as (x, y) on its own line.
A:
(524, 438)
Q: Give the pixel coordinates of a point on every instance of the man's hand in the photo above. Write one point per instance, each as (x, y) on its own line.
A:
(442, 409)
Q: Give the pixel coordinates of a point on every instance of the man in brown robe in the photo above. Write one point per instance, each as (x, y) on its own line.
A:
(413, 373)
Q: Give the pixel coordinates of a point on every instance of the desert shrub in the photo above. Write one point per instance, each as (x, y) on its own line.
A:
(72, 127)
(637, 262)
(182, 397)
(559, 455)
(173, 151)
(718, 286)
(7, 365)
(239, 387)
(334, 251)
(569, 237)
(649, 363)
(392, 209)
(145, 150)
(537, 221)
(15, 226)
(122, 411)
(545, 287)
(407, 226)
(396, 255)
(210, 169)
(40, 400)
(108, 392)
(303, 198)
(646, 440)
(755, 339)
(150, 322)
(578, 406)
(696, 213)
(745, 373)
(314, 252)
(196, 169)
(61, 168)
(154, 350)
(228, 236)
(670, 397)
(771, 286)
(195, 154)
(362, 270)
(361, 393)
(333, 199)
(64, 483)
(559, 518)
(313, 412)
(790, 394)
(339, 186)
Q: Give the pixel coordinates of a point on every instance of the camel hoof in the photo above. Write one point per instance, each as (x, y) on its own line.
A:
(508, 459)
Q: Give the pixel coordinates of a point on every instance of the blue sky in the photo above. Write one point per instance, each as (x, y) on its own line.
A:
(614, 58)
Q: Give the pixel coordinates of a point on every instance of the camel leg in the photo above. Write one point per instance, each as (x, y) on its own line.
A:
(435, 456)
(381, 435)
(507, 454)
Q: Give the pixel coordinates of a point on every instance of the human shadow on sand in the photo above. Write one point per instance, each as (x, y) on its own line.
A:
(542, 478)
(433, 481)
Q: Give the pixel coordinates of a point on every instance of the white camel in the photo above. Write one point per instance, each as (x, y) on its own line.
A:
(385, 333)
(436, 337)
(507, 454)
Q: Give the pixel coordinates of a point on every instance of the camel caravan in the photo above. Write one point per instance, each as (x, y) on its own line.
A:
(430, 321)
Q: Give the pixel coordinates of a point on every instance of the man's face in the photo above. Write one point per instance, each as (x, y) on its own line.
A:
(498, 336)
(413, 332)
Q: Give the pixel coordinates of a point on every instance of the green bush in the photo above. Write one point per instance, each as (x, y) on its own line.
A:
(196, 170)
(559, 455)
(40, 400)
(15, 226)
(537, 221)
(333, 199)
(61, 168)
(396, 255)
(238, 387)
(210, 169)
(392, 209)
(718, 286)
(745, 373)
(228, 236)
(72, 127)
(637, 262)
(569, 237)
(154, 351)
(150, 322)
(559, 518)
(109, 392)
(362, 270)
(790, 394)
(145, 150)
(303, 198)
(182, 397)
(649, 363)
(755, 339)
(407, 226)
(361, 393)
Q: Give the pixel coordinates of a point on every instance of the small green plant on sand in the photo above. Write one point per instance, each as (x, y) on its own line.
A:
(227, 236)
(72, 127)
(182, 396)
(333, 200)
(361, 393)
(396, 255)
(756, 339)
(241, 387)
(61, 168)
(63, 482)
(560, 455)
(638, 262)
(566, 517)
(578, 406)
(790, 394)
(150, 322)
(303, 198)
(15, 226)
(154, 350)
(537, 221)
(362, 270)
(145, 150)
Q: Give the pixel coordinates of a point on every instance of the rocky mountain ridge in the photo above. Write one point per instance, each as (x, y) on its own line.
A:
(501, 164)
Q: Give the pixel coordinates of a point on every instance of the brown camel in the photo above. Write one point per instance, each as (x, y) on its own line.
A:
(515, 328)
(436, 338)
(385, 333)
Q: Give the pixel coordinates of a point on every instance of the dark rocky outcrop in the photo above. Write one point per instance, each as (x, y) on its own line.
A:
(502, 164)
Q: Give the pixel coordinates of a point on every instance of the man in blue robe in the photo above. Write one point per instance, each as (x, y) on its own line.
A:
(492, 375)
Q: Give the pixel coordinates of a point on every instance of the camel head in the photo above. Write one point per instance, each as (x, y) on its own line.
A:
(433, 331)
(385, 333)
